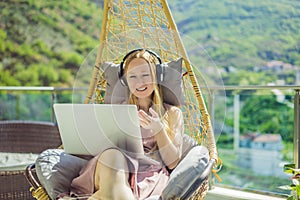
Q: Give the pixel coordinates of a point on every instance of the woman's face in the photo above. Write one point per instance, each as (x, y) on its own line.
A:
(139, 78)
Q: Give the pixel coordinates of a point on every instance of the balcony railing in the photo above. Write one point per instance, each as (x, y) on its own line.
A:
(293, 90)
(239, 114)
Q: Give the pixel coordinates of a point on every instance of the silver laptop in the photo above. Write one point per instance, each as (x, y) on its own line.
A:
(89, 129)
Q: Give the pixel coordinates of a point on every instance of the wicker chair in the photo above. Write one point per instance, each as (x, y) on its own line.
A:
(23, 137)
(131, 24)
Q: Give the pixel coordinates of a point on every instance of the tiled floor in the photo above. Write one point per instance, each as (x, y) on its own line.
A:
(230, 194)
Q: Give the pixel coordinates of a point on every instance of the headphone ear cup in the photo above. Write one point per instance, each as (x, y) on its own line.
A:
(123, 81)
(121, 75)
(160, 71)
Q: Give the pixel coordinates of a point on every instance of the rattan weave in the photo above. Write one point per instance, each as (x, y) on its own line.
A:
(23, 137)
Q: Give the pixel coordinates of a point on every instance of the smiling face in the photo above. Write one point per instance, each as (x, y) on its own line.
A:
(139, 78)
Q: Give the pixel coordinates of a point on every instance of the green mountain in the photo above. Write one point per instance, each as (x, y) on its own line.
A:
(245, 36)
(235, 32)
(43, 43)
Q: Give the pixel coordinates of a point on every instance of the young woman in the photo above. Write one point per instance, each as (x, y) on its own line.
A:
(115, 174)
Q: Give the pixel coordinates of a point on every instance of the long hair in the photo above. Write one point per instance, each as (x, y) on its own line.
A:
(157, 100)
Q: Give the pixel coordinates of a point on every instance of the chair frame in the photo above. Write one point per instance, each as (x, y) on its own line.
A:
(107, 33)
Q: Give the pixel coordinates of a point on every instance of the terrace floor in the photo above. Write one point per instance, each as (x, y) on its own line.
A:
(232, 194)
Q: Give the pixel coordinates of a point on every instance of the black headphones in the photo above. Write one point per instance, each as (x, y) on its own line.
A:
(160, 68)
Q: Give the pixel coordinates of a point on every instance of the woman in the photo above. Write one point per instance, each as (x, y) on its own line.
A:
(116, 175)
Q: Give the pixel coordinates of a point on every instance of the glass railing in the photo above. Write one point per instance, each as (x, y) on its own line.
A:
(255, 133)
(259, 135)
(35, 103)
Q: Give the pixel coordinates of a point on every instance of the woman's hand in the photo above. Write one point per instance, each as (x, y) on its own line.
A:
(152, 121)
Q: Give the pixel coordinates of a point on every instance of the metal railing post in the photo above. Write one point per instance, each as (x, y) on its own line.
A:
(211, 106)
(53, 100)
(296, 129)
(236, 105)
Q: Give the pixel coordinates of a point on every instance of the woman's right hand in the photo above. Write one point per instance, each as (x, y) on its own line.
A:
(151, 122)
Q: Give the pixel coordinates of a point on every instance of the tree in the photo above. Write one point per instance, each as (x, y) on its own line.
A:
(265, 114)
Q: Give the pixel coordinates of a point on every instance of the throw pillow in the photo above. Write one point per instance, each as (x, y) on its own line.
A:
(186, 173)
(56, 170)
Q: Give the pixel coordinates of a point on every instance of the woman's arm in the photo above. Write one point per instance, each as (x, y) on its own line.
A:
(170, 147)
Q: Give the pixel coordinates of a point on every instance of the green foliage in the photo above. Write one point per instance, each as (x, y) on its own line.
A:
(6, 79)
(28, 77)
(71, 60)
(242, 34)
(295, 185)
(265, 114)
(240, 177)
(64, 75)
(49, 39)
(243, 77)
(19, 106)
(47, 74)
(225, 141)
(287, 151)
(2, 39)
(42, 48)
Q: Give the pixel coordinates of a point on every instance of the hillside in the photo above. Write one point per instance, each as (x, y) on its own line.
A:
(43, 43)
(244, 36)
(263, 30)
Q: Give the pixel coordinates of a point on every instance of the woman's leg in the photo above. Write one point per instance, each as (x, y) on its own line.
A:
(111, 177)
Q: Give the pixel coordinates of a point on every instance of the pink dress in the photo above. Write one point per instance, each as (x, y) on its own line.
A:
(146, 178)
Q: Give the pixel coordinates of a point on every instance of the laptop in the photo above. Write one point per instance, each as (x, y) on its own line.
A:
(89, 129)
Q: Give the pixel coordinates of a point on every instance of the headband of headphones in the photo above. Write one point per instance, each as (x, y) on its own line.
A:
(159, 68)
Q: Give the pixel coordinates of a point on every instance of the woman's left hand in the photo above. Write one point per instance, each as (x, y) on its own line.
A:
(152, 121)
